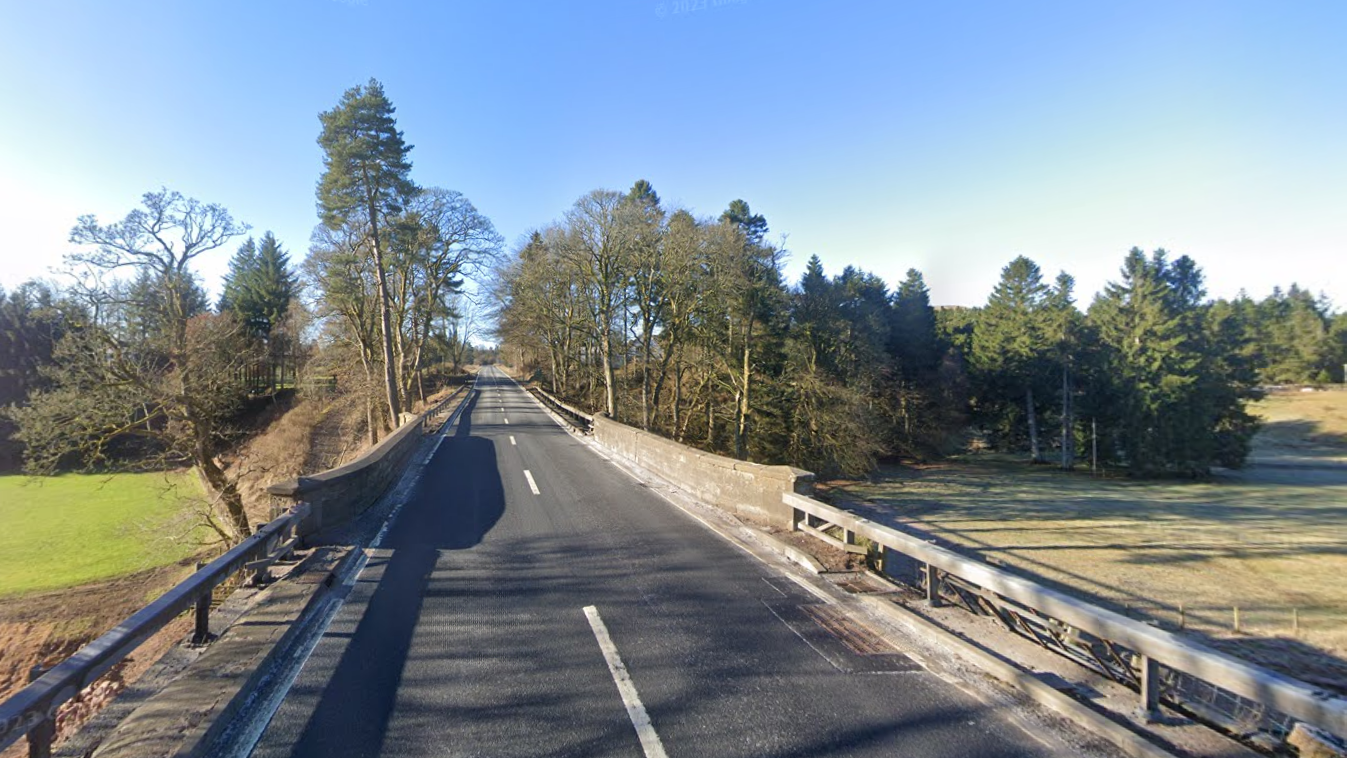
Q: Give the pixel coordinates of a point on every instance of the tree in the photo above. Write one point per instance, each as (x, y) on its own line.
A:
(439, 240)
(174, 382)
(1178, 406)
(32, 321)
(259, 286)
(595, 248)
(1009, 348)
(366, 178)
(642, 222)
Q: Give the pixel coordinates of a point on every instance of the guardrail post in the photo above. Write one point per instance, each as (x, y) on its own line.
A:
(1150, 688)
(201, 635)
(932, 586)
(43, 733)
(795, 515)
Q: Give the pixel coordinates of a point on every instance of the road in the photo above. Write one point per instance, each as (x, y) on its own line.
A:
(468, 634)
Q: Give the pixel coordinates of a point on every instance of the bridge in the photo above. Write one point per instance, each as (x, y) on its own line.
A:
(529, 592)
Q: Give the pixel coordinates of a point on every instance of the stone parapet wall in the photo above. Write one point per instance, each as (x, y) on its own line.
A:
(748, 490)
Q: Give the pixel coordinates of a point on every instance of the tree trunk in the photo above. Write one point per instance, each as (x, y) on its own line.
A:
(225, 489)
(1068, 421)
(744, 408)
(385, 322)
(609, 378)
(677, 401)
(1034, 451)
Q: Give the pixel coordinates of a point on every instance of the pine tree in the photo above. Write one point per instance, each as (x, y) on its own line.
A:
(366, 178)
(1178, 401)
(1011, 348)
(913, 342)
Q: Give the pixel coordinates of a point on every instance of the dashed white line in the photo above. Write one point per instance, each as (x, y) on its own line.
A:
(512, 439)
(645, 731)
(532, 484)
(507, 420)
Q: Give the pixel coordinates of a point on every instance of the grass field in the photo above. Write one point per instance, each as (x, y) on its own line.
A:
(1271, 539)
(64, 531)
(1304, 424)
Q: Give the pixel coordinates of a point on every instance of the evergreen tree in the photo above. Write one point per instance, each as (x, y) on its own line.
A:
(1178, 406)
(913, 342)
(1010, 354)
(366, 178)
(232, 294)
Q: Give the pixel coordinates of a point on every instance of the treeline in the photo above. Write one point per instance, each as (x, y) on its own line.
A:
(685, 326)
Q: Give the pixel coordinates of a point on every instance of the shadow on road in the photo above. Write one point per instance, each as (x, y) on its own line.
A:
(458, 501)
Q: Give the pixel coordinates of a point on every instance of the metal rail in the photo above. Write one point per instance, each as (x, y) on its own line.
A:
(1159, 664)
(576, 417)
(32, 710)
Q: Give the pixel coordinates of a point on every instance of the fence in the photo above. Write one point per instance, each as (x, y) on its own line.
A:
(32, 710)
(1163, 667)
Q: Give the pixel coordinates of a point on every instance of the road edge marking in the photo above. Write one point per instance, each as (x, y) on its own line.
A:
(645, 731)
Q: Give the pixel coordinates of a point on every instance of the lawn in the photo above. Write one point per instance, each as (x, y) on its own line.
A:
(64, 531)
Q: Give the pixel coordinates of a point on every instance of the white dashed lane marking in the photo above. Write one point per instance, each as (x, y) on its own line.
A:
(532, 484)
(650, 742)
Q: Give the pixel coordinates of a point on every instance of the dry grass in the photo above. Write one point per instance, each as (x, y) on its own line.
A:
(1268, 542)
(1306, 425)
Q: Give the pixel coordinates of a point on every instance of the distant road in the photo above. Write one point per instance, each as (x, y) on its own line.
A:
(532, 599)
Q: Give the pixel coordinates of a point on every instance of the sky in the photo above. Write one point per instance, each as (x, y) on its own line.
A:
(944, 136)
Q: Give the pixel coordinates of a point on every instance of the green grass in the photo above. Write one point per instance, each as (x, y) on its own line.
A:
(68, 530)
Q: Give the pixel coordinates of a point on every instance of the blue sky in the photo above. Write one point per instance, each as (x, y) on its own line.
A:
(945, 136)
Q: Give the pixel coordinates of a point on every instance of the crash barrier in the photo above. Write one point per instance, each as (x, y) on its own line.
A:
(32, 711)
(572, 415)
(1248, 701)
(339, 495)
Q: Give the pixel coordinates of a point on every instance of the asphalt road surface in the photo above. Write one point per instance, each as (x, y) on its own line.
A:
(532, 599)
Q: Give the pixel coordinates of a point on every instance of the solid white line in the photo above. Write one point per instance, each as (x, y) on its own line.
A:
(532, 484)
(512, 439)
(635, 711)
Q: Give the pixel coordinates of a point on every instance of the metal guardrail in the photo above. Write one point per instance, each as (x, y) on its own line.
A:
(577, 418)
(432, 418)
(32, 710)
(1161, 665)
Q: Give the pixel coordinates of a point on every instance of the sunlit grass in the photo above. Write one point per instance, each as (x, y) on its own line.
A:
(73, 529)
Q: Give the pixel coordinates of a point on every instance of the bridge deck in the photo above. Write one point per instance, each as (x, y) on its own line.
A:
(466, 633)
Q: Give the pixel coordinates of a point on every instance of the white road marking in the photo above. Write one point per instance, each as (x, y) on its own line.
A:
(532, 484)
(645, 731)
(502, 409)
(512, 439)
(507, 420)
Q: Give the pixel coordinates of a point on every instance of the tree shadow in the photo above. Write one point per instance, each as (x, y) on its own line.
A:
(458, 501)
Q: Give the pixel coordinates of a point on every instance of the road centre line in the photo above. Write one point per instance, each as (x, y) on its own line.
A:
(645, 731)
(512, 439)
(532, 484)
